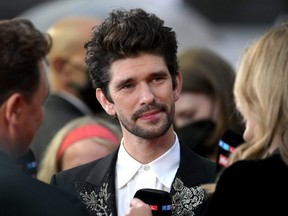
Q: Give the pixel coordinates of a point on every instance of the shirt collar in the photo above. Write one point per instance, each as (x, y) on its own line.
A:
(164, 167)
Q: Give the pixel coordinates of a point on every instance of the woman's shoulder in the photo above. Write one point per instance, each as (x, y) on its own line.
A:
(258, 170)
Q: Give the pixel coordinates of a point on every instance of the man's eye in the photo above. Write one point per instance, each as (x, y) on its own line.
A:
(158, 79)
(127, 86)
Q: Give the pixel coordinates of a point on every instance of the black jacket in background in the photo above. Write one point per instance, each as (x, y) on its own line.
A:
(22, 195)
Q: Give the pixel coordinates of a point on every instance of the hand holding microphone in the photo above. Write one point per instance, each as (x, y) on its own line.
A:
(158, 201)
(139, 208)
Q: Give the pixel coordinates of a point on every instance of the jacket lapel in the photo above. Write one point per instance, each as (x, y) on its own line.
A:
(98, 190)
(186, 193)
(192, 168)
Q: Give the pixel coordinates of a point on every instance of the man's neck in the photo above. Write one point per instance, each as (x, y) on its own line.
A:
(147, 150)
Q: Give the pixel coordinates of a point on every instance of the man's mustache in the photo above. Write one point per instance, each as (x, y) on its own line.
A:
(147, 108)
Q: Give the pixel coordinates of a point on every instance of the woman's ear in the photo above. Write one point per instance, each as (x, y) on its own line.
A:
(107, 106)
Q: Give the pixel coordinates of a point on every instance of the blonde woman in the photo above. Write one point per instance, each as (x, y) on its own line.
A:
(80, 141)
(258, 170)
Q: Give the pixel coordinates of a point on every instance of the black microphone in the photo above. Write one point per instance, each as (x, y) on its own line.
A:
(226, 145)
(27, 163)
(159, 201)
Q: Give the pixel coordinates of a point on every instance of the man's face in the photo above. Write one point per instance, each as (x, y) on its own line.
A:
(79, 81)
(33, 111)
(76, 69)
(143, 96)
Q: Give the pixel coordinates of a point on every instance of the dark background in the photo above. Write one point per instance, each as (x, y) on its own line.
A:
(240, 11)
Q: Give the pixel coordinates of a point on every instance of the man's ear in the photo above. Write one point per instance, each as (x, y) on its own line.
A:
(13, 107)
(107, 106)
(178, 88)
(58, 64)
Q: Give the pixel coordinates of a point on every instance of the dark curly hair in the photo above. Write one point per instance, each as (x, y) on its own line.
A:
(22, 46)
(125, 34)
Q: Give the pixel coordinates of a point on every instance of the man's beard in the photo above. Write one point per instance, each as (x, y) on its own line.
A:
(153, 132)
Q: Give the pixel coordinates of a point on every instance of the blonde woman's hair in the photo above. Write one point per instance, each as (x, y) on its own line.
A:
(49, 165)
(261, 90)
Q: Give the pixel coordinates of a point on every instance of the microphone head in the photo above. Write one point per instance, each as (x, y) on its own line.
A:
(160, 201)
(226, 145)
(27, 163)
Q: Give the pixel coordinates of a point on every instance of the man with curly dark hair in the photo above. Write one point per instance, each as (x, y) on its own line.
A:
(132, 62)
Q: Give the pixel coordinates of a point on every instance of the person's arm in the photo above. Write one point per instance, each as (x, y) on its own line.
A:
(139, 208)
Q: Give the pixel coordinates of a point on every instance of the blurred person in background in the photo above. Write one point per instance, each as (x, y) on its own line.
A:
(23, 90)
(81, 140)
(68, 79)
(258, 169)
(206, 108)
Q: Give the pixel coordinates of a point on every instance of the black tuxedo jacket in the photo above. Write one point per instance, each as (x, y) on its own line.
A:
(22, 195)
(94, 183)
(58, 112)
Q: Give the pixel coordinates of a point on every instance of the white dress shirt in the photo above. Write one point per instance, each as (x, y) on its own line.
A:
(132, 175)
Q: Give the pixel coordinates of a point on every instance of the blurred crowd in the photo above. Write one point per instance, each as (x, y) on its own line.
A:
(94, 109)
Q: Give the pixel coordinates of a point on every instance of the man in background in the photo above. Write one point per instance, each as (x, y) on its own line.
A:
(71, 91)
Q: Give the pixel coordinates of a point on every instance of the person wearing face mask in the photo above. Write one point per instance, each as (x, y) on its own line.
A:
(205, 109)
(68, 79)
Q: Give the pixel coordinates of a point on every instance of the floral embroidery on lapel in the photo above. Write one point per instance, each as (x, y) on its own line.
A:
(186, 200)
(95, 202)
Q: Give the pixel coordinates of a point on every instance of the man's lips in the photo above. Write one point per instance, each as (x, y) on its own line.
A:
(149, 114)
